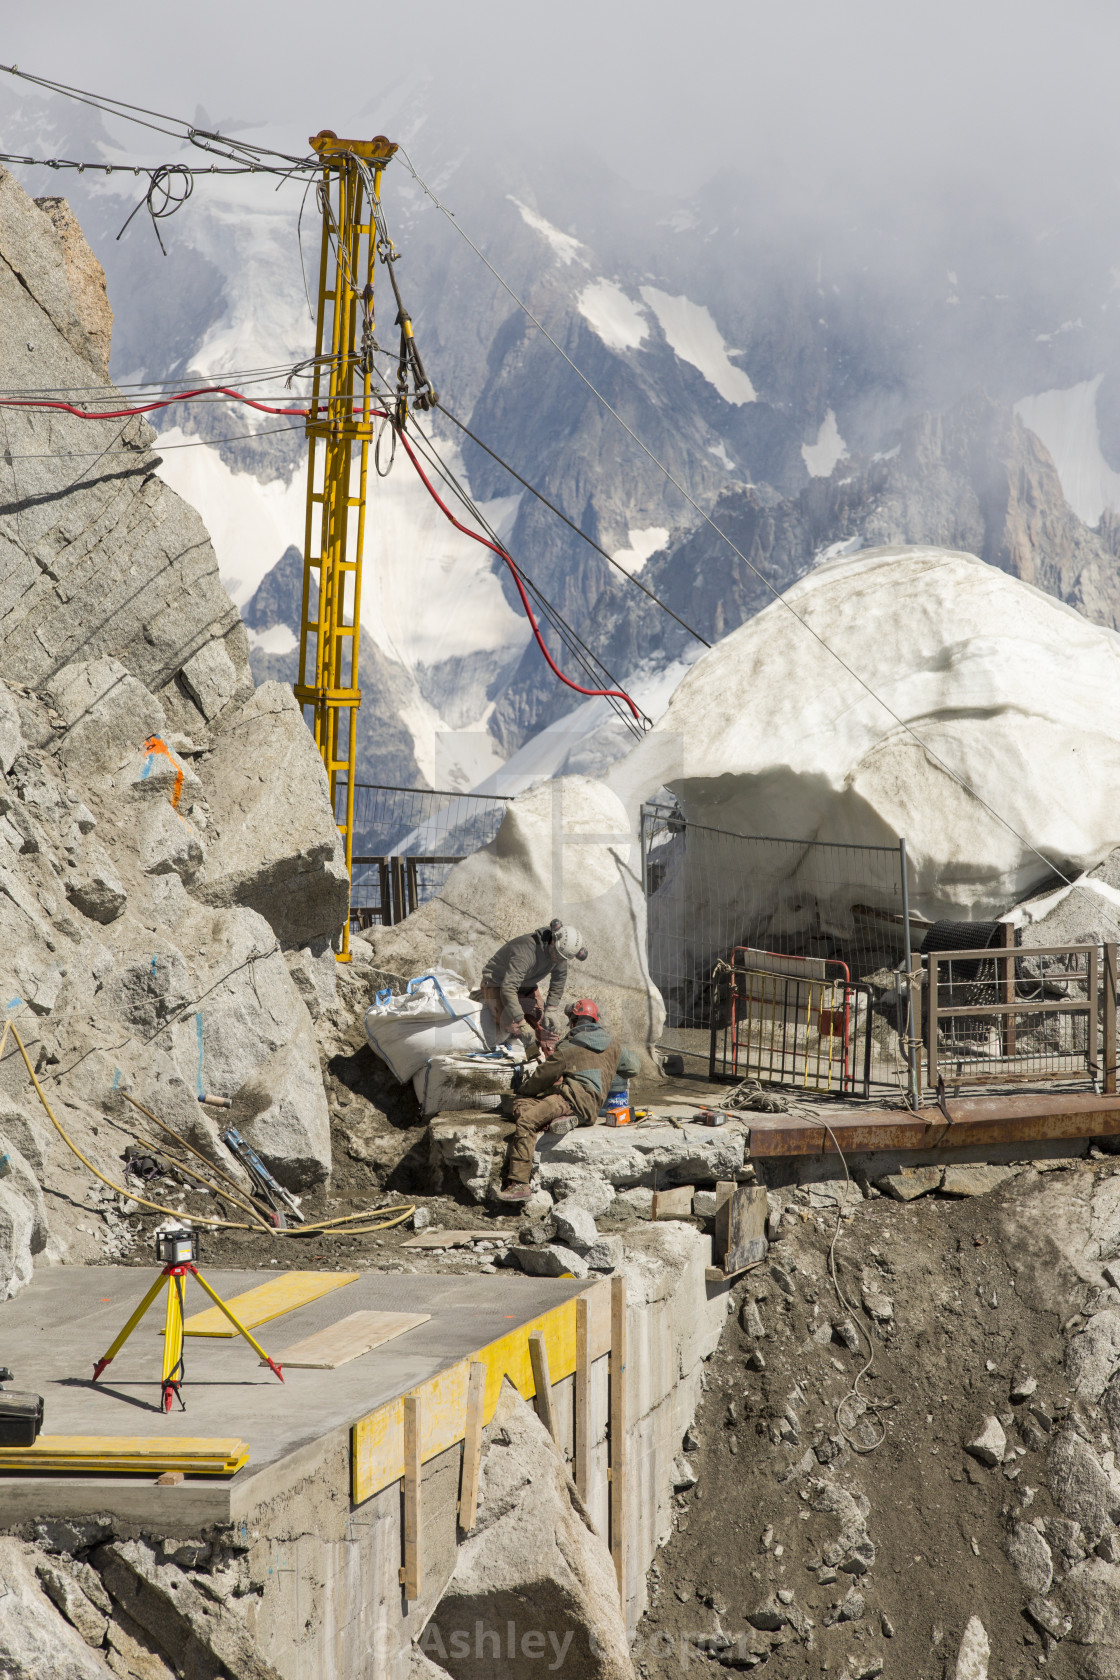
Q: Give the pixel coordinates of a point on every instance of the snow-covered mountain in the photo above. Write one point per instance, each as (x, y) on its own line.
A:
(820, 379)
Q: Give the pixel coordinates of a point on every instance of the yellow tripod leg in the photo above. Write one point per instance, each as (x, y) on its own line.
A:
(116, 1346)
(239, 1327)
(172, 1340)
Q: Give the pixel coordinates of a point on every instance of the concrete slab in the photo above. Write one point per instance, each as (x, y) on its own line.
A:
(54, 1330)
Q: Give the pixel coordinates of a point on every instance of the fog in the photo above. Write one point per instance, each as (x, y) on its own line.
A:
(844, 104)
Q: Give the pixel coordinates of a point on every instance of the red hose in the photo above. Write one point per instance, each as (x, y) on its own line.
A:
(609, 693)
(379, 414)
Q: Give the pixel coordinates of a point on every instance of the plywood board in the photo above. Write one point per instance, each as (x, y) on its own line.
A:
(675, 1203)
(352, 1336)
(269, 1300)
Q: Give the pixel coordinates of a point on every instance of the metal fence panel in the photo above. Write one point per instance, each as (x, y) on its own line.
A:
(1023, 1014)
(710, 891)
(407, 841)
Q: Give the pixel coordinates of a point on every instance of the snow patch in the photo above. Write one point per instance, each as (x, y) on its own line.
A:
(696, 339)
(278, 638)
(821, 457)
(640, 545)
(618, 320)
(1066, 421)
(1004, 687)
(565, 245)
(250, 523)
(721, 455)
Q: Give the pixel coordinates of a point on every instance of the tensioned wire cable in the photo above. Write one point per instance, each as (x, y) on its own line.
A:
(156, 448)
(583, 655)
(722, 534)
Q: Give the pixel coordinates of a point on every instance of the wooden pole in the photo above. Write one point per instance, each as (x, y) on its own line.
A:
(411, 1574)
(542, 1382)
(618, 1432)
(472, 1446)
(583, 1398)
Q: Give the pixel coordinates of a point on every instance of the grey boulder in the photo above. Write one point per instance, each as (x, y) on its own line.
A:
(280, 851)
(533, 1560)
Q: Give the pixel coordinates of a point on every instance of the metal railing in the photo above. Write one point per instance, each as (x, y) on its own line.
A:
(407, 841)
(787, 1020)
(1021, 1014)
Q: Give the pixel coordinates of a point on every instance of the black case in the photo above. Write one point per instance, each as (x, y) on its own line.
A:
(21, 1418)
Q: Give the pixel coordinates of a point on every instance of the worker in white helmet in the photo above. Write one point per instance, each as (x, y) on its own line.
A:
(512, 981)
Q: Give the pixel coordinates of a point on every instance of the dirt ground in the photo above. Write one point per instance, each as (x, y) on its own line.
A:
(979, 1293)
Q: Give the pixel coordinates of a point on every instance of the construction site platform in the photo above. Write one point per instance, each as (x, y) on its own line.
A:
(53, 1331)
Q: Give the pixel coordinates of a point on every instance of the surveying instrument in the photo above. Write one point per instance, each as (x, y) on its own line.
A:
(177, 1248)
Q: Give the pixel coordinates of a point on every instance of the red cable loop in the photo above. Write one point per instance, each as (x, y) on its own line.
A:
(377, 414)
(608, 693)
(147, 408)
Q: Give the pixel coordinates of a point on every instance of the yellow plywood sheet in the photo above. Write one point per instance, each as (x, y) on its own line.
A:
(352, 1336)
(377, 1442)
(279, 1295)
(124, 1454)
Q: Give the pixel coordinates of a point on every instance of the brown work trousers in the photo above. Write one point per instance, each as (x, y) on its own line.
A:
(531, 1115)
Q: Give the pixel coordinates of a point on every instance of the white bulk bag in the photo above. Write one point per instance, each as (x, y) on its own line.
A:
(436, 1015)
(446, 1084)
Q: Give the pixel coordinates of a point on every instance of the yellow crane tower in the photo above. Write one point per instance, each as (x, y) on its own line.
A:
(339, 417)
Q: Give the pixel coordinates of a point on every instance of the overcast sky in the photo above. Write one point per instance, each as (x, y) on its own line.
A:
(849, 97)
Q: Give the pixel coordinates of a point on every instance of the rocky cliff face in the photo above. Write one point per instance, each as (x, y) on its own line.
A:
(170, 873)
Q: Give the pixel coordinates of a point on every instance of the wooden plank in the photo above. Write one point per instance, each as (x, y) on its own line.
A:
(716, 1274)
(583, 1398)
(412, 1573)
(675, 1203)
(269, 1300)
(546, 1411)
(349, 1339)
(722, 1230)
(977, 1122)
(618, 1432)
(746, 1241)
(129, 1454)
(446, 1239)
(472, 1446)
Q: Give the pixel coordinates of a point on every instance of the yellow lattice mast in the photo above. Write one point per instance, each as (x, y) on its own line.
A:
(339, 418)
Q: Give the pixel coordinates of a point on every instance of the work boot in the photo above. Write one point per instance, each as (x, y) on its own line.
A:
(565, 1124)
(514, 1193)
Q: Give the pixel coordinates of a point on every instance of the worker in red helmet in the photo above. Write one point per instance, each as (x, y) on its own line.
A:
(566, 1090)
(512, 981)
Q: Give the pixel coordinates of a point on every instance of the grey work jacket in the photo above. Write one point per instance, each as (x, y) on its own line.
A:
(520, 965)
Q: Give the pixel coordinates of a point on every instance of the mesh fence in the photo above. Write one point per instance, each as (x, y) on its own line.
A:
(428, 832)
(713, 897)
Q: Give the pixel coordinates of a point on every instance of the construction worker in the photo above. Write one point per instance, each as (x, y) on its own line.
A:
(512, 978)
(566, 1090)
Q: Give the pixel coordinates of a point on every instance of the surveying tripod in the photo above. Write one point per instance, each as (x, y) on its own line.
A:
(180, 1248)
